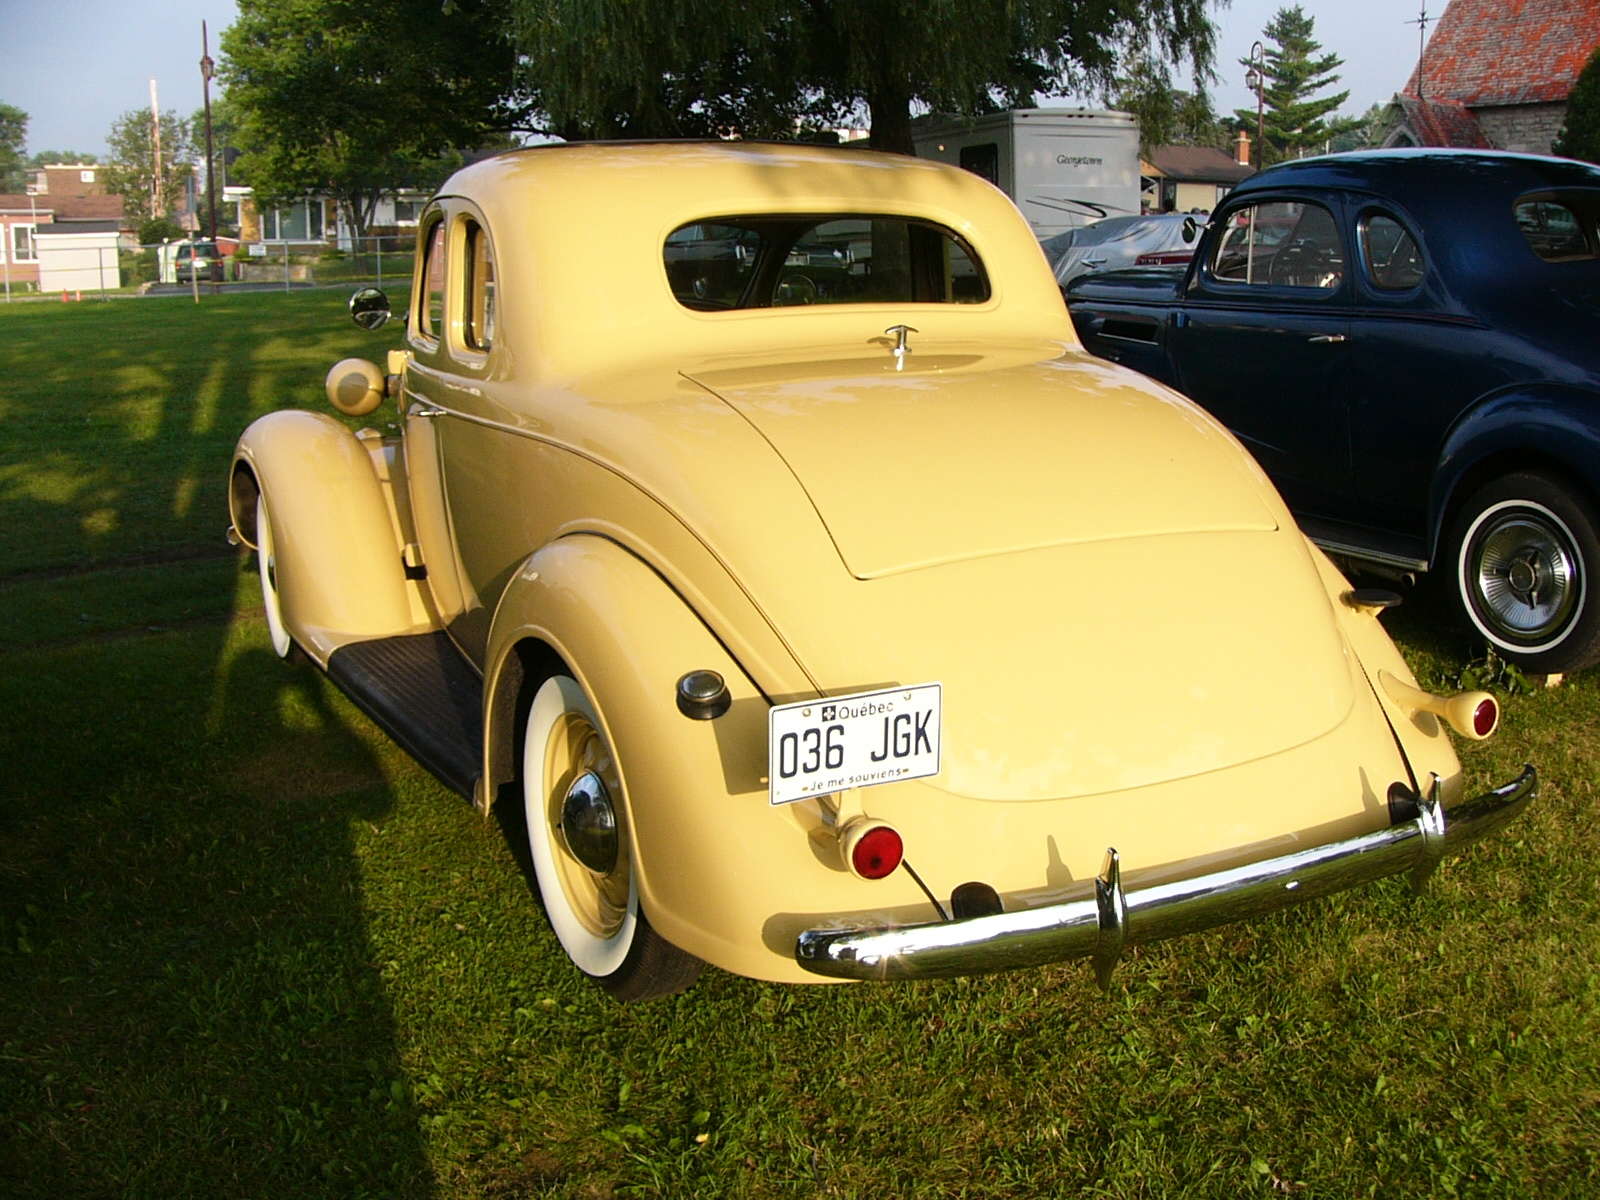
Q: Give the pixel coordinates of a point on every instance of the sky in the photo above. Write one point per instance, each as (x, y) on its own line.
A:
(74, 66)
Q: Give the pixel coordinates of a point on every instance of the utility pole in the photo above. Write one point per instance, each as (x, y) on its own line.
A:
(207, 69)
(157, 209)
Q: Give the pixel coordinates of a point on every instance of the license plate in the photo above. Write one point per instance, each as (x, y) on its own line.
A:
(820, 746)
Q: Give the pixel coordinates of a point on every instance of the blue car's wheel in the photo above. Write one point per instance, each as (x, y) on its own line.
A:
(1527, 572)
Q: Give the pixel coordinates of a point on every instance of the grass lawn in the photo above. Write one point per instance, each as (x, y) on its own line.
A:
(247, 948)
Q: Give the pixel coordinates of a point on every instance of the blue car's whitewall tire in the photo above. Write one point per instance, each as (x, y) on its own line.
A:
(1527, 565)
(595, 913)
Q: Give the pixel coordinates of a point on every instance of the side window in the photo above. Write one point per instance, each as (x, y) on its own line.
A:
(430, 311)
(1555, 232)
(1393, 261)
(478, 300)
(1280, 243)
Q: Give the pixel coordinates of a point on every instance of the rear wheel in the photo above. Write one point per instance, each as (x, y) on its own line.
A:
(1527, 560)
(578, 840)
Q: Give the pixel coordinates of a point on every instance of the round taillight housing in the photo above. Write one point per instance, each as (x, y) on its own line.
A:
(876, 852)
(1486, 717)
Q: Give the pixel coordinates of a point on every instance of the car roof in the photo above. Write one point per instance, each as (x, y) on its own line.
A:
(1426, 172)
(624, 200)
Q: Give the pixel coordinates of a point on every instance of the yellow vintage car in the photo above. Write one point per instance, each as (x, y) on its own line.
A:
(757, 526)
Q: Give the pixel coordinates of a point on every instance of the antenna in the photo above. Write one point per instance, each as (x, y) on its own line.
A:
(1422, 22)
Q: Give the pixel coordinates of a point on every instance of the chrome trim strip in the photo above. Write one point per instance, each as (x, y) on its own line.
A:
(1366, 554)
(1103, 925)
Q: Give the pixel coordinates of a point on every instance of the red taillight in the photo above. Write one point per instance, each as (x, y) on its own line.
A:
(877, 852)
(1485, 717)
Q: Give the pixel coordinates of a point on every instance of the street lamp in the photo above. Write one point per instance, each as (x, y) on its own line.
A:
(207, 70)
(1256, 80)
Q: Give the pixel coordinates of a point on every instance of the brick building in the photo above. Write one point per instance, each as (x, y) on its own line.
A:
(63, 198)
(1496, 74)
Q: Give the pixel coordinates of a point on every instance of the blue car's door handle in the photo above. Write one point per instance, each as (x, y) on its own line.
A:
(1327, 339)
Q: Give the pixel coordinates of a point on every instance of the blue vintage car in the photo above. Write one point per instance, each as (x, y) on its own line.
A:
(1409, 343)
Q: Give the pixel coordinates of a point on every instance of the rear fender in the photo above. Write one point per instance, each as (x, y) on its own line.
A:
(339, 567)
(1550, 426)
(716, 864)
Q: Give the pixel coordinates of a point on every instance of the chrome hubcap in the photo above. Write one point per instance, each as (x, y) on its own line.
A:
(589, 823)
(1526, 577)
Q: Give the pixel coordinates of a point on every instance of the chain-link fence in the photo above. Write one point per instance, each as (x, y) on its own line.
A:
(79, 269)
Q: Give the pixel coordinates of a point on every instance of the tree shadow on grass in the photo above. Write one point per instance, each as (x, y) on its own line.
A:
(191, 1004)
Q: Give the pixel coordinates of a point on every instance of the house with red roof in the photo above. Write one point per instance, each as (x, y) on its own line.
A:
(1496, 74)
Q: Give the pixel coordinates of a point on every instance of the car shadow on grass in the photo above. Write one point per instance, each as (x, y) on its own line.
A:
(191, 1004)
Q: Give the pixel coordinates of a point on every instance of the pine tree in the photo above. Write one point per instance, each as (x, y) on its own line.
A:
(1580, 135)
(1295, 122)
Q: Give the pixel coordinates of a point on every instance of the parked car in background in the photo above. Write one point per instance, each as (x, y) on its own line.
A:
(1406, 340)
(1116, 242)
(871, 633)
(199, 260)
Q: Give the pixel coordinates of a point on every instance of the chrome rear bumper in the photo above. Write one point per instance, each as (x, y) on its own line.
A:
(1100, 927)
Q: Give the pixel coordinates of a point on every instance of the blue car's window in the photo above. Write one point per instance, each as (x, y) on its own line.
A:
(1392, 258)
(774, 262)
(1280, 243)
(1555, 232)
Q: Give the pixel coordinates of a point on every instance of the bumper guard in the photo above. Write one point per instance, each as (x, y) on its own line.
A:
(1102, 926)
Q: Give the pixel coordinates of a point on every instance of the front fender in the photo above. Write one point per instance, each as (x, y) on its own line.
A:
(1553, 423)
(718, 867)
(339, 567)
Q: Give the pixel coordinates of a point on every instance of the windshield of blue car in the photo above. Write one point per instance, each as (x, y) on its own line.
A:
(773, 262)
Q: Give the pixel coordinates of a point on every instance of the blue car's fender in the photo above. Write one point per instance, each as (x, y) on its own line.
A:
(1550, 426)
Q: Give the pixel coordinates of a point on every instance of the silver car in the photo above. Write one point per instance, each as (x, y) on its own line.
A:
(1117, 242)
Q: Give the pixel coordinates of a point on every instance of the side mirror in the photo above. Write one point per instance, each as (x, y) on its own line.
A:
(369, 308)
(1189, 229)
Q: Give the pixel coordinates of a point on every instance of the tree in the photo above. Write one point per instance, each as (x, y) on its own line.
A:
(355, 98)
(1167, 115)
(1294, 121)
(667, 67)
(13, 136)
(45, 158)
(1369, 129)
(1580, 134)
(131, 173)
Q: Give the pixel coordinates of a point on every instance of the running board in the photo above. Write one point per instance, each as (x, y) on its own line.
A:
(1350, 541)
(423, 694)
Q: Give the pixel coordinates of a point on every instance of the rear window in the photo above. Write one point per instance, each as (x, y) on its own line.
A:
(779, 262)
(1556, 230)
